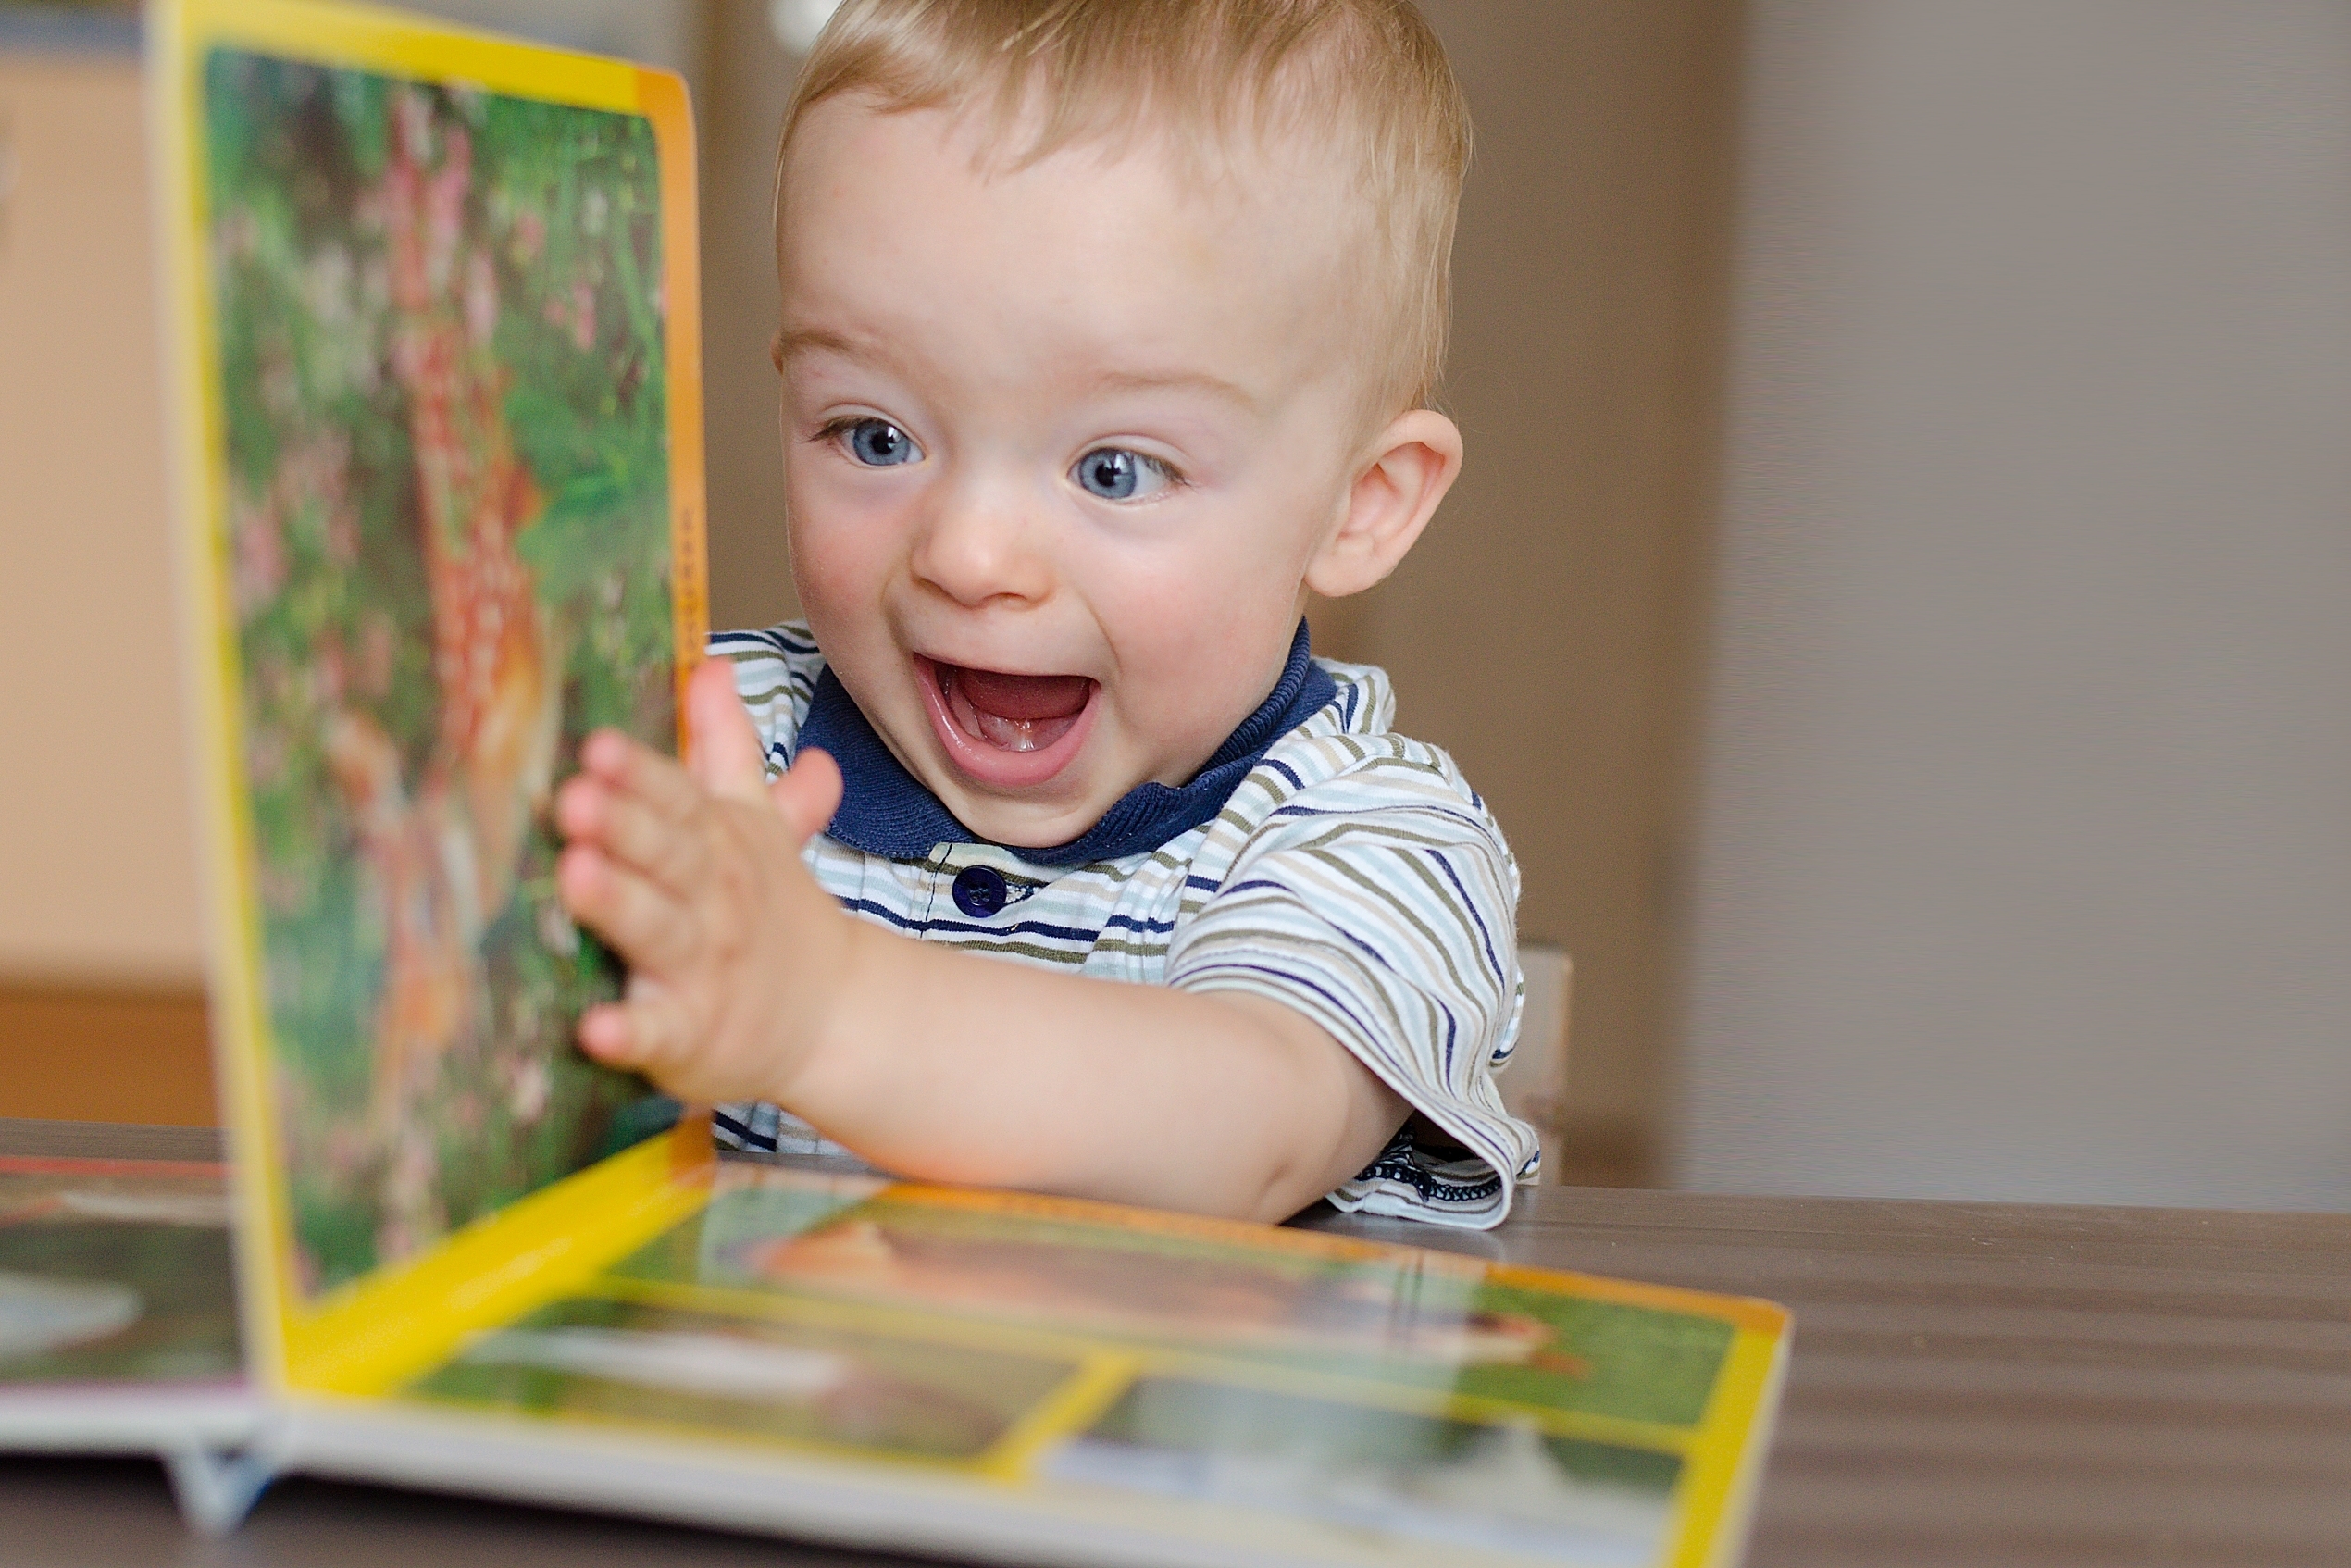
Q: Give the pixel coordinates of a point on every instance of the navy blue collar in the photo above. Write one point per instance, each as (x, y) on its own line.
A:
(886, 811)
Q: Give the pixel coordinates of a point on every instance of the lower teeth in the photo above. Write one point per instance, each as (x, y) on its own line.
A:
(1013, 734)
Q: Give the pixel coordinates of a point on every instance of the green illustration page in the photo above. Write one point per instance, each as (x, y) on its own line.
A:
(114, 1273)
(445, 436)
(1407, 1405)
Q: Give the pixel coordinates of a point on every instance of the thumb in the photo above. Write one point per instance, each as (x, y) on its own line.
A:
(808, 795)
(724, 754)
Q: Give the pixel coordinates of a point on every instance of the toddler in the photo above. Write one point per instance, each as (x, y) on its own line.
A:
(1043, 853)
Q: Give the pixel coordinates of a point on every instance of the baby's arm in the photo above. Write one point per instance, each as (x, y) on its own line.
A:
(747, 981)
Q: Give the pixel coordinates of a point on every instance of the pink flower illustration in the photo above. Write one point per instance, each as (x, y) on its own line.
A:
(583, 316)
(481, 297)
(260, 570)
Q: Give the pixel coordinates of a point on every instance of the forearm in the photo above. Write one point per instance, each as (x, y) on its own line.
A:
(949, 1066)
(747, 979)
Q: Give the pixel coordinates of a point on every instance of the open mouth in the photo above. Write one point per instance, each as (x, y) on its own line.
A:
(1007, 729)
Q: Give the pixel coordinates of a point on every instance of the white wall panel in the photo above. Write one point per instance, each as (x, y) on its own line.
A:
(2025, 852)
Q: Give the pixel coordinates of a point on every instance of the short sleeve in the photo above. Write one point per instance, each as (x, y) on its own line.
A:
(1382, 904)
(776, 670)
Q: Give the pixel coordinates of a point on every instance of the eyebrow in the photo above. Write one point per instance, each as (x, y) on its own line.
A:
(787, 344)
(824, 339)
(1180, 381)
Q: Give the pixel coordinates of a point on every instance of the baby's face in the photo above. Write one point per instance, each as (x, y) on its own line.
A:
(1060, 444)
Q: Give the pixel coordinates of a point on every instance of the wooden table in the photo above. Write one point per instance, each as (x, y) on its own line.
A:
(1974, 1385)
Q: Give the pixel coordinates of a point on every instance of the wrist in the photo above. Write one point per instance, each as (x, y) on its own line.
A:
(830, 1016)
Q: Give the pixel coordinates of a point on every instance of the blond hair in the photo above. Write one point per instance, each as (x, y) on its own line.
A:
(1366, 78)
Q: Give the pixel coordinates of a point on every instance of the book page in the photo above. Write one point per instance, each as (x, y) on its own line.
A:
(115, 1273)
(1386, 1404)
(441, 377)
(440, 491)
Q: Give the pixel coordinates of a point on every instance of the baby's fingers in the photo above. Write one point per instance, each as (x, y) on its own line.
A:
(647, 1034)
(650, 929)
(807, 796)
(672, 851)
(726, 756)
(655, 1033)
(628, 766)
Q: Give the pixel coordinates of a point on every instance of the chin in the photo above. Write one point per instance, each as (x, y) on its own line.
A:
(1025, 825)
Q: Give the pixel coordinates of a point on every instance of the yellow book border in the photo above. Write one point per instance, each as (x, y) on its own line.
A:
(401, 1322)
(359, 1340)
(1719, 1474)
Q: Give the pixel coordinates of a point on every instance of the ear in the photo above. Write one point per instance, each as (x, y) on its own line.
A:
(1412, 464)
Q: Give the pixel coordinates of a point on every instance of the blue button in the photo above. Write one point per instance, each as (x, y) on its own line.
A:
(980, 891)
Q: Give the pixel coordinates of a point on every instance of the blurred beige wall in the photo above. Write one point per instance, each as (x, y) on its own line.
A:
(2026, 861)
(751, 76)
(98, 863)
(1544, 631)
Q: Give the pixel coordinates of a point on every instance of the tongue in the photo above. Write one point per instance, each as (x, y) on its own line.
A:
(1019, 712)
(1024, 697)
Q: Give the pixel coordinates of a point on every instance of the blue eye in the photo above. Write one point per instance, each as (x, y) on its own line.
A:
(1116, 474)
(878, 443)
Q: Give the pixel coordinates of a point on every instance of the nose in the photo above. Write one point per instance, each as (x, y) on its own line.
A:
(981, 545)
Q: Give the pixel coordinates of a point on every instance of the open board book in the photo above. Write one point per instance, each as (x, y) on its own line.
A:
(440, 473)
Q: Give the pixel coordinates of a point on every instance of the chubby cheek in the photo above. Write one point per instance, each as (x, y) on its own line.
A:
(1197, 651)
(843, 551)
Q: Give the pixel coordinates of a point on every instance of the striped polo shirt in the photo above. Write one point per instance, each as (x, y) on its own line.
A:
(1351, 874)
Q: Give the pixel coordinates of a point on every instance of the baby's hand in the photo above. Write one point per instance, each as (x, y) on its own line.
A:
(693, 875)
